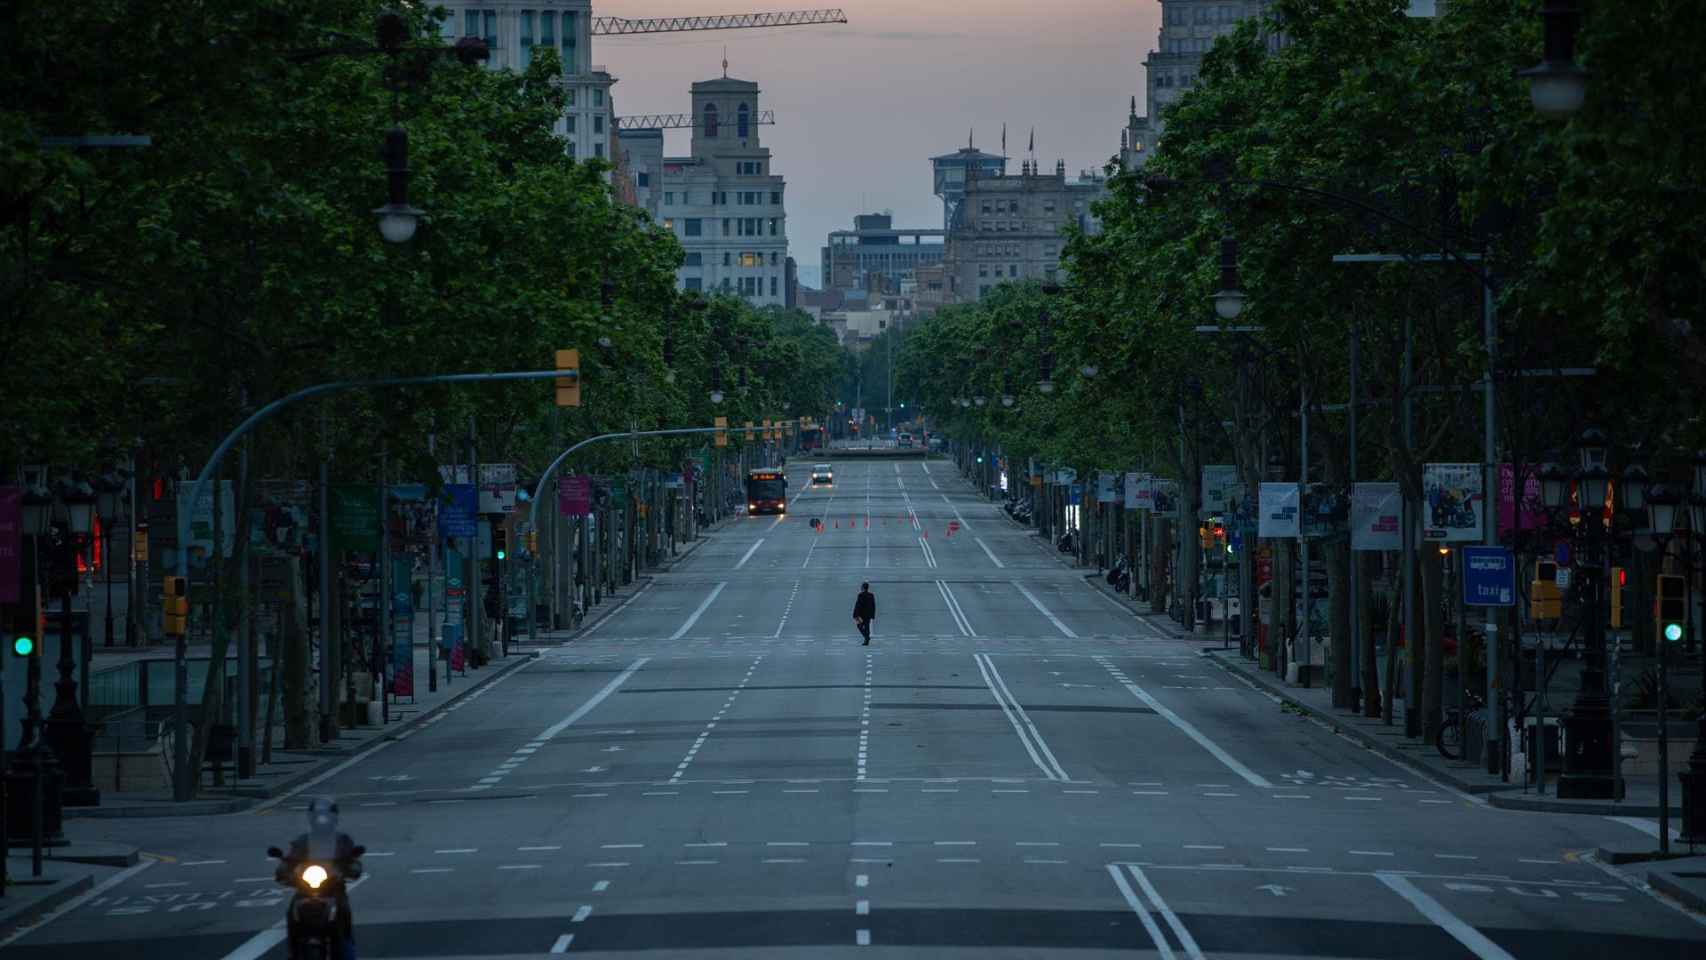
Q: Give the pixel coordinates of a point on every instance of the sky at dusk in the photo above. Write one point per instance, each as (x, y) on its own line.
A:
(861, 107)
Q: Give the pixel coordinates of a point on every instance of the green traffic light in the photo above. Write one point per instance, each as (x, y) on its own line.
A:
(502, 554)
(23, 646)
(1673, 632)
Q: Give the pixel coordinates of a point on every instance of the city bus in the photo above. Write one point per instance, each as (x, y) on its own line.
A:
(766, 491)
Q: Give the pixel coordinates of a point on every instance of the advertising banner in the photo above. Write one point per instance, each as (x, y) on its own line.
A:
(411, 515)
(201, 521)
(456, 510)
(1165, 494)
(455, 607)
(11, 543)
(574, 496)
(402, 629)
(280, 520)
(355, 517)
(497, 487)
(1105, 487)
(1376, 509)
(1139, 491)
(1324, 512)
(1278, 505)
(1219, 489)
(1453, 502)
(1530, 509)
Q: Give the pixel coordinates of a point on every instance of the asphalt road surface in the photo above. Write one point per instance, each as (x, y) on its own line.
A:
(1016, 766)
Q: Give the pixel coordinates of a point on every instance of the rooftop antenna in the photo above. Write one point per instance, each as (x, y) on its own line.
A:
(725, 62)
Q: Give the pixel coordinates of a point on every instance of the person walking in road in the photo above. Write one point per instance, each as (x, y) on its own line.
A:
(864, 611)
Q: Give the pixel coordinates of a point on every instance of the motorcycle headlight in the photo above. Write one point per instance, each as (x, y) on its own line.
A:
(314, 876)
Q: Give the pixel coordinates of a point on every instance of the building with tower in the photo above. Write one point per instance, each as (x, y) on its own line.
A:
(1188, 29)
(952, 170)
(1009, 229)
(724, 203)
(876, 255)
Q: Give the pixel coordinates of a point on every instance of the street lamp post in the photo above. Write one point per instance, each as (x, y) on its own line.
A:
(66, 731)
(1589, 765)
(34, 813)
(1693, 780)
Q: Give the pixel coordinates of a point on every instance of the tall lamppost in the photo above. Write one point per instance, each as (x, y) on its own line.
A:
(69, 533)
(34, 779)
(1693, 780)
(109, 491)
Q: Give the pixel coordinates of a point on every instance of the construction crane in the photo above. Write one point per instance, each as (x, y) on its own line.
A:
(677, 121)
(620, 26)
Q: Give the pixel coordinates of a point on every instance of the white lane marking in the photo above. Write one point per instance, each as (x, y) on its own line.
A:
(1371, 853)
(621, 846)
(1456, 856)
(1044, 610)
(1254, 779)
(752, 549)
(589, 631)
(1428, 907)
(595, 700)
(82, 898)
(708, 843)
(1288, 849)
(873, 843)
(521, 866)
(175, 883)
(601, 886)
(862, 880)
(862, 937)
(1185, 938)
(677, 635)
(458, 850)
(257, 946)
(584, 911)
(963, 524)
(862, 908)
(992, 558)
(552, 847)
(1162, 947)
(1036, 735)
(954, 609)
(433, 870)
(562, 944)
(199, 863)
(1018, 728)
(929, 557)
(1122, 846)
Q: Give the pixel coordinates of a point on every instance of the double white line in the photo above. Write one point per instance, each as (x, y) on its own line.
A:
(1033, 741)
(1148, 906)
(953, 603)
(929, 554)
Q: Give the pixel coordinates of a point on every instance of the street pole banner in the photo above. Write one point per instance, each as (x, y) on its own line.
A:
(1140, 492)
(402, 628)
(1528, 513)
(279, 523)
(456, 510)
(1375, 509)
(574, 496)
(1105, 487)
(497, 487)
(1165, 496)
(1132, 479)
(11, 543)
(1219, 489)
(355, 517)
(455, 603)
(1278, 505)
(1454, 501)
(201, 521)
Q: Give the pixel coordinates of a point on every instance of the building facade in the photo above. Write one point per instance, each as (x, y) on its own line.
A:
(876, 255)
(950, 171)
(724, 203)
(1008, 229)
(516, 30)
(1188, 29)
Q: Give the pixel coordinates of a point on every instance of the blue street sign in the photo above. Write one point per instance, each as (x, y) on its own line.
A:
(1561, 553)
(1489, 577)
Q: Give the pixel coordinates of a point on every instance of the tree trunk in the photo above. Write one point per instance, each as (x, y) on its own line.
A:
(1160, 546)
(1371, 698)
(292, 645)
(213, 685)
(1338, 560)
(1284, 615)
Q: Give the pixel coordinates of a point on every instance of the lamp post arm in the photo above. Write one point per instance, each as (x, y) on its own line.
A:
(551, 471)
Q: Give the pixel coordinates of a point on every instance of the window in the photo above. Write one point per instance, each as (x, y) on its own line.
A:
(773, 226)
(1048, 206)
(548, 28)
(776, 197)
(742, 122)
(1012, 206)
(491, 29)
(986, 207)
(598, 98)
(725, 226)
(471, 23)
(982, 269)
(526, 38)
(710, 119)
(570, 120)
(691, 227)
(669, 198)
(773, 286)
(571, 96)
(1012, 269)
(694, 259)
(598, 149)
(749, 259)
(774, 259)
(643, 178)
(668, 223)
(728, 259)
(598, 123)
(693, 283)
(726, 284)
(570, 30)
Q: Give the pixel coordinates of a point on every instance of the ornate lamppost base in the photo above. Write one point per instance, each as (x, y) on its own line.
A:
(1693, 782)
(30, 768)
(1588, 771)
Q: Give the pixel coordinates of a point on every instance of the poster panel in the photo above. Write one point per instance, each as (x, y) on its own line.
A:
(1278, 505)
(355, 518)
(1453, 502)
(1132, 497)
(1376, 509)
(402, 628)
(1105, 487)
(1530, 510)
(1219, 489)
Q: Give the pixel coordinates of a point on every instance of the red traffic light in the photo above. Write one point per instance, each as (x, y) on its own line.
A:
(1622, 577)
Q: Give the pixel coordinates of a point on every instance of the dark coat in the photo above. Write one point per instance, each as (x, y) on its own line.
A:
(865, 608)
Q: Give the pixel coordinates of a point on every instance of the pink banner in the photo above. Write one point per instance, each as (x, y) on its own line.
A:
(1531, 511)
(11, 543)
(574, 496)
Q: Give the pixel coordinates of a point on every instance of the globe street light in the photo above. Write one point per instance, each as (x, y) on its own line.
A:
(397, 219)
(1557, 86)
(1228, 300)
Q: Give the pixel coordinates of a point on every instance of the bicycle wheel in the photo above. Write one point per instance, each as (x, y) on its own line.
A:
(1449, 738)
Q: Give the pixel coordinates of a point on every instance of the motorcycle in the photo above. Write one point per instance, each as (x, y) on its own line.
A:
(1119, 575)
(1065, 543)
(315, 910)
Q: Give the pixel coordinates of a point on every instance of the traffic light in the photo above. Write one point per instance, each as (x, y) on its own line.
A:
(24, 645)
(569, 383)
(1670, 604)
(175, 593)
(533, 542)
(749, 431)
(500, 541)
(722, 434)
(1545, 602)
(767, 433)
(1619, 579)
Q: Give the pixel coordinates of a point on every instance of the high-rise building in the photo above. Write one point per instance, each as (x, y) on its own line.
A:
(876, 255)
(723, 202)
(1009, 229)
(641, 160)
(1188, 29)
(514, 35)
(952, 170)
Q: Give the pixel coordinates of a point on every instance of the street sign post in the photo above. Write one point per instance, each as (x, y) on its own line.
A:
(1489, 577)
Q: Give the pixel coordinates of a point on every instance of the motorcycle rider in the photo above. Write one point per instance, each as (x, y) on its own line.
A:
(324, 842)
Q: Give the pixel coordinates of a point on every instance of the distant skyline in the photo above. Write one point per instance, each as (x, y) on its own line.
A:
(861, 107)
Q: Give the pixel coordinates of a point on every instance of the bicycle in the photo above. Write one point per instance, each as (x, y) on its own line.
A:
(1453, 727)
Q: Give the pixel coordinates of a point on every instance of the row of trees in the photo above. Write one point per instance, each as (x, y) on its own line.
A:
(1365, 131)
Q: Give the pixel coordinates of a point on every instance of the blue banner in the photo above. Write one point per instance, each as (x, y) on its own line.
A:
(458, 511)
(455, 602)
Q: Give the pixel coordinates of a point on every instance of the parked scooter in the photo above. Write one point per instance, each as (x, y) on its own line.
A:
(1066, 543)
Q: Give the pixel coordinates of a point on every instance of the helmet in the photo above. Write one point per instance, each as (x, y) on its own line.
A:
(322, 814)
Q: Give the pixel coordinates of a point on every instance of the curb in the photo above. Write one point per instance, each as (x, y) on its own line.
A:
(1536, 804)
(1338, 725)
(1668, 885)
(13, 917)
(195, 808)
